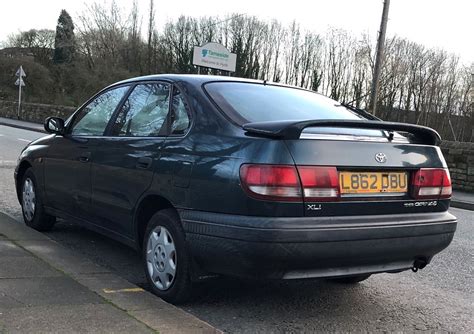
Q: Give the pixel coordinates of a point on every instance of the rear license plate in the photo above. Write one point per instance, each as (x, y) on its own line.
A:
(372, 182)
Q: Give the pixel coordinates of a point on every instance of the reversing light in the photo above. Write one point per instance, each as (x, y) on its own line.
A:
(319, 183)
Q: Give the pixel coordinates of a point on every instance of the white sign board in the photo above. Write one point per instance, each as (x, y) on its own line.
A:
(20, 82)
(20, 72)
(214, 55)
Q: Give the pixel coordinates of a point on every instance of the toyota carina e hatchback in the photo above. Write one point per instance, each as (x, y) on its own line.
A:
(217, 175)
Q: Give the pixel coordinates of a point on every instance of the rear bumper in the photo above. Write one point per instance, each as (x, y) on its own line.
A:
(281, 247)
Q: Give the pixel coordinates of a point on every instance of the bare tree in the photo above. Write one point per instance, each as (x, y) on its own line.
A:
(151, 29)
(39, 42)
(417, 84)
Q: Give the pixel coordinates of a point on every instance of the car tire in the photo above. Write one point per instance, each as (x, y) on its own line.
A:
(32, 204)
(166, 259)
(350, 279)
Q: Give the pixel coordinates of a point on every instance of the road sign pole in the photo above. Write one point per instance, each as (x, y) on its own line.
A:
(20, 74)
(19, 100)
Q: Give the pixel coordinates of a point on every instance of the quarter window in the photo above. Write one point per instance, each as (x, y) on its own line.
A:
(92, 119)
(144, 112)
(180, 113)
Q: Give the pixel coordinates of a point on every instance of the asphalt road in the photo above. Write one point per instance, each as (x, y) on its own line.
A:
(437, 298)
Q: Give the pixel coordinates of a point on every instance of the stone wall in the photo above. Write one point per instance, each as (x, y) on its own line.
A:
(460, 159)
(33, 112)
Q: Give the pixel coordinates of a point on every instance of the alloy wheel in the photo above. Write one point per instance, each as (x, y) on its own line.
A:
(161, 258)
(28, 199)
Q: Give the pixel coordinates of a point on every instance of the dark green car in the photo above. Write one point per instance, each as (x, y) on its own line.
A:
(217, 175)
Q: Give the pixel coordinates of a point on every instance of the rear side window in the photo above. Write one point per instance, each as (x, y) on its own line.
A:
(144, 112)
(247, 102)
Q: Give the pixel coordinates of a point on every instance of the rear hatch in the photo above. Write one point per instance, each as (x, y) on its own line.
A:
(364, 167)
(346, 161)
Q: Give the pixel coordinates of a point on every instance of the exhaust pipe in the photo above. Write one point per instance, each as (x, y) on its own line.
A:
(419, 264)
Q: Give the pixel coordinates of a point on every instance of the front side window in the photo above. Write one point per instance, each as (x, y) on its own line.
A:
(144, 112)
(92, 119)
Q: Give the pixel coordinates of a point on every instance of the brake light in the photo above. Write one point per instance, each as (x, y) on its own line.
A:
(271, 182)
(319, 183)
(289, 183)
(431, 183)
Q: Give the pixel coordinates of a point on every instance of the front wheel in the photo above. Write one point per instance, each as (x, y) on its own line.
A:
(166, 259)
(32, 204)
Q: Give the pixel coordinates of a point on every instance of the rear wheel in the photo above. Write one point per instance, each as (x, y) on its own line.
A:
(32, 204)
(350, 279)
(166, 259)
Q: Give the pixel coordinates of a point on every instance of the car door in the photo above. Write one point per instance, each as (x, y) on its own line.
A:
(68, 163)
(123, 169)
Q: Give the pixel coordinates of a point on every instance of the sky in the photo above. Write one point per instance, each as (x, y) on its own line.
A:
(434, 23)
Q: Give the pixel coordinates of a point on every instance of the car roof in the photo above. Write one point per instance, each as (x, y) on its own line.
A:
(196, 79)
(199, 79)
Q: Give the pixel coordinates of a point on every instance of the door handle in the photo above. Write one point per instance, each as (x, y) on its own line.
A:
(85, 157)
(144, 162)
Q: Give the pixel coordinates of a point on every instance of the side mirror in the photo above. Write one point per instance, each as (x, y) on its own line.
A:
(54, 125)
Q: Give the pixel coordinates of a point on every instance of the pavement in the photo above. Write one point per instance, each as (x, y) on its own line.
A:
(47, 288)
(459, 199)
(463, 200)
(20, 124)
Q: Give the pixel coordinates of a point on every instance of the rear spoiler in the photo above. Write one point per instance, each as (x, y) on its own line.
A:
(292, 129)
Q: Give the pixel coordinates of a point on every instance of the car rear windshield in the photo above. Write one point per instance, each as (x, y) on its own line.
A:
(249, 102)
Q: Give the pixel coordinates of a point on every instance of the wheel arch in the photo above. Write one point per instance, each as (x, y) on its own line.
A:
(146, 208)
(22, 168)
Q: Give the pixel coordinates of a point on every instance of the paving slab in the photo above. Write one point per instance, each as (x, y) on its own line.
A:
(61, 290)
(121, 292)
(463, 200)
(15, 230)
(98, 318)
(25, 267)
(64, 259)
(168, 321)
(145, 306)
(9, 249)
(463, 196)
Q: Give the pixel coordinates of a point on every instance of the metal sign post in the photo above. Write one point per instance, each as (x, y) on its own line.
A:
(20, 83)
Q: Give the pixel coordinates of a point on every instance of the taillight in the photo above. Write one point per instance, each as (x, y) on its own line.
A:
(290, 183)
(271, 182)
(319, 183)
(431, 183)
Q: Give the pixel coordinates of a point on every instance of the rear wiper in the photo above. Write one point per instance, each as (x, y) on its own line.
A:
(358, 111)
(366, 114)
